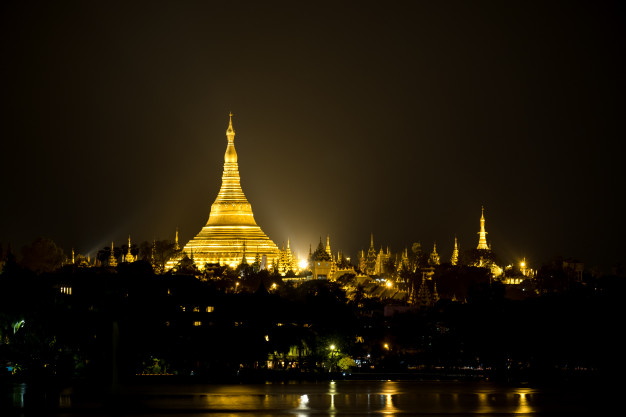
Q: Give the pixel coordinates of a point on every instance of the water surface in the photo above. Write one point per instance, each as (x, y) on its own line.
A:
(328, 398)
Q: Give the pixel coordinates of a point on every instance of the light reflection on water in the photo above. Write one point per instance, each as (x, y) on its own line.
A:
(331, 398)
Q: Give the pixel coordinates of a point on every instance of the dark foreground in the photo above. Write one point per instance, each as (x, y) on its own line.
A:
(321, 398)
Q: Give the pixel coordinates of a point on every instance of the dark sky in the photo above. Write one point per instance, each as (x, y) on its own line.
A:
(394, 118)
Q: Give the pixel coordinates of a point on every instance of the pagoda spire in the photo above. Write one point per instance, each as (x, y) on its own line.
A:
(230, 132)
(328, 245)
(176, 245)
(482, 239)
(455, 254)
(112, 260)
(129, 256)
(434, 256)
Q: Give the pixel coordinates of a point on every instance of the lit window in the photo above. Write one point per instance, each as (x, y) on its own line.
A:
(196, 309)
(66, 290)
(210, 309)
(197, 323)
(183, 308)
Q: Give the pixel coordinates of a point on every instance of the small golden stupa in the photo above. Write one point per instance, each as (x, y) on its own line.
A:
(482, 239)
(231, 233)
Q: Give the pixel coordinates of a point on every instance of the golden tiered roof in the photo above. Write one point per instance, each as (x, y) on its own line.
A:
(231, 230)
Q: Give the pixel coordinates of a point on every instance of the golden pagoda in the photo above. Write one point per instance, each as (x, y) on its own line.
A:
(482, 235)
(129, 257)
(231, 226)
(112, 259)
(434, 259)
(454, 260)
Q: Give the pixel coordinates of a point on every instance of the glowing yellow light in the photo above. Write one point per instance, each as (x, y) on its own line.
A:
(386, 346)
(231, 231)
(303, 264)
(267, 338)
(332, 347)
(523, 264)
(389, 284)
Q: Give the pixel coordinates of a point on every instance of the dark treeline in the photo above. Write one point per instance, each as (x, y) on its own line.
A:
(107, 323)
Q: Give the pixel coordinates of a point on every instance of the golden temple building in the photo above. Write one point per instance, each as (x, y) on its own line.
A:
(231, 232)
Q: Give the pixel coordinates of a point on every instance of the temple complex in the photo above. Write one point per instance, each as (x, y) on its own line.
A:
(231, 227)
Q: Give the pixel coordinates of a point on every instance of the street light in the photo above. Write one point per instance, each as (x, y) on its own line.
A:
(332, 353)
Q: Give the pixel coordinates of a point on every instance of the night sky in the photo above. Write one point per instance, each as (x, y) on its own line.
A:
(399, 119)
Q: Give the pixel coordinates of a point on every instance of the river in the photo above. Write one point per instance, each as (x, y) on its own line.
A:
(302, 399)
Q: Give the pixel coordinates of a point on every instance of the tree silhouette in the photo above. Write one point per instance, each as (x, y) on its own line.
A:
(42, 255)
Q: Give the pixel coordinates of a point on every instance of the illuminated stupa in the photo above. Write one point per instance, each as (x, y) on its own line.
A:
(482, 235)
(231, 232)
(454, 260)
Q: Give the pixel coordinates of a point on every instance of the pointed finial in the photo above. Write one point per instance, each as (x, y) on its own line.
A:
(230, 132)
